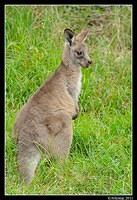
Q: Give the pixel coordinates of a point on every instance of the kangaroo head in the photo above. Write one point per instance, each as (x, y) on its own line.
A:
(75, 51)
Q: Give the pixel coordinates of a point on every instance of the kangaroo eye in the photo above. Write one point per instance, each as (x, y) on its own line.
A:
(79, 53)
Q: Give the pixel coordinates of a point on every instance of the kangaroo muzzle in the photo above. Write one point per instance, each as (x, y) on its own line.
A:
(89, 62)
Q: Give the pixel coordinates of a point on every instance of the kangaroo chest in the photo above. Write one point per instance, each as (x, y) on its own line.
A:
(74, 85)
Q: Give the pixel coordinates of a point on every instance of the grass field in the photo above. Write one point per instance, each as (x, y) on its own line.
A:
(100, 158)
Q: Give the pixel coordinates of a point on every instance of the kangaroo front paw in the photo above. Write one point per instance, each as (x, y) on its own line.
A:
(74, 116)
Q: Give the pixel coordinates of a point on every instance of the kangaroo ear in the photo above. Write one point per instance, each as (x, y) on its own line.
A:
(82, 36)
(68, 35)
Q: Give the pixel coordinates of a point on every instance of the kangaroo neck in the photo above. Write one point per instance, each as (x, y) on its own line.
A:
(73, 80)
(71, 68)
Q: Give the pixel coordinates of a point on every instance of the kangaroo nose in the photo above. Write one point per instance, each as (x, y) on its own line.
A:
(89, 62)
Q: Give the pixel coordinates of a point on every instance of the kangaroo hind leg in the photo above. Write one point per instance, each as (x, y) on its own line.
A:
(61, 142)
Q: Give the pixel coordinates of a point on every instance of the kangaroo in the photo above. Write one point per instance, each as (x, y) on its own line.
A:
(46, 118)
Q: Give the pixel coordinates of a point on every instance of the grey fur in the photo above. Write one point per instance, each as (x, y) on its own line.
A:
(46, 118)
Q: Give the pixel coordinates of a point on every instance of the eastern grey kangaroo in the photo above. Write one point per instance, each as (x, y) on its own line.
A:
(46, 118)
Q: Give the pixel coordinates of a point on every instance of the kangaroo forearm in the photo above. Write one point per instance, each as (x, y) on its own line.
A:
(76, 111)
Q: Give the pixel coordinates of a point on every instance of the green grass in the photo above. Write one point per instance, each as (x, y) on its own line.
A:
(100, 157)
